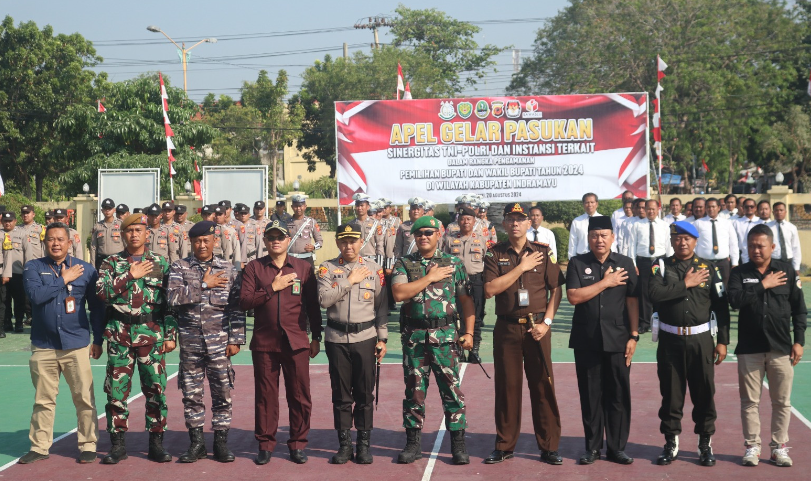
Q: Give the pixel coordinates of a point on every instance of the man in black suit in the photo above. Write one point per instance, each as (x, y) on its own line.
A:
(602, 285)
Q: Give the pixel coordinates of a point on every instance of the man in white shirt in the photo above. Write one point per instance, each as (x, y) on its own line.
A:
(578, 232)
(786, 238)
(624, 236)
(539, 233)
(717, 240)
(744, 225)
(627, 196)
(698, 209)
(650, 239)
(730, 207)
(675, 211)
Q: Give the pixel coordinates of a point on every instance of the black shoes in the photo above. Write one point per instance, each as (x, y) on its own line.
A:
(551, 457)
(498, 456)
(118, 452)
(298, 456)
(221, 451)
(458, 447)
(670, 452)
(197, 448)
(413, 447)
(156, 451)
(33, 457)
(344, 453)
(619, 457)
(589, 457)
(86, 457)
(363, 456)
(263, 457)
(705, 455)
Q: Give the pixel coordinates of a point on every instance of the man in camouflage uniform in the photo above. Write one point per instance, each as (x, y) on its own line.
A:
(281, 214)
(431, 284)
(305, 231)
(76, 250)
(372, 245)
(14, 238)
(161, 238)
(205, 291)
(181, 217)
(140, 330)
(404, 242)
(105, 238)
(226, 239)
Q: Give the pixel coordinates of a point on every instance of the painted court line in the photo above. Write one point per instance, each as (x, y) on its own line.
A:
(131, 398)
(440, 435)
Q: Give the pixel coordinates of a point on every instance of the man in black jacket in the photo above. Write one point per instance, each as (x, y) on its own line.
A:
(770, 298)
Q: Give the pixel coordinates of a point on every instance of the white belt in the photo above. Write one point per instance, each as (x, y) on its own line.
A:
(301, 256)
(684, 331)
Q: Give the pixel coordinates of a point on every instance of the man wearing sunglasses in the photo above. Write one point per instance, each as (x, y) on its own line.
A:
(431, 284)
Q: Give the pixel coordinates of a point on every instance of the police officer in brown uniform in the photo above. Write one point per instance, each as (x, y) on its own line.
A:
(353, 292)
(13, 239)
(226, 240)
(33, 247)
(242, 213)
(181, 217)
(122, 211)
(372, 247)
(61, 215)
(528, 288)
(168, 219)
(161, 238)
(404, 243)
(261, 222)
(305, 232)
(233, 223)
(105, 238)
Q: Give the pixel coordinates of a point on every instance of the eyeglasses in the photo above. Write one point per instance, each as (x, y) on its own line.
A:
(275, 238)
(749, 206)
(514, 220)
(424, 233)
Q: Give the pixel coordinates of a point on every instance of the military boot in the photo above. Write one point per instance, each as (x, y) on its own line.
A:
(221, 451)
(473, 355)
(705, 455)
(118, 452)
(671, 450)
(458, 447)
(197, 448)
(344, 453)
(413, 447)
(363, 455)
(156, 451)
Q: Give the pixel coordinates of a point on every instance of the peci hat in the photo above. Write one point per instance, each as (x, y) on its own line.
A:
(600, 222)
(347, 231)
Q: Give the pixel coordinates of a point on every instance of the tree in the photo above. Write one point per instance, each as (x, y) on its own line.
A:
(42, 76)
(788, 144)
(732, 67)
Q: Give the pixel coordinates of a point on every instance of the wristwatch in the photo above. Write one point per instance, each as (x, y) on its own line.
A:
(547, 321)
(384, 341)
(635, 338)
(317, 338)
(204, 285)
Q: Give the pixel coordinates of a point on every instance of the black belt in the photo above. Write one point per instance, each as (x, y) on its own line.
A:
(519, 320)
(128, 318)
(350, 327)
(479, 275)
(427, 323)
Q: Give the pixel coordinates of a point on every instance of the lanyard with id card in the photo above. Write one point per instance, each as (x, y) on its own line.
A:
(70, 301)
(296, 287)
(523, 294)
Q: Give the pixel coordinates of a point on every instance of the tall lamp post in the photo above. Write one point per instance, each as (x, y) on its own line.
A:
(183, 50)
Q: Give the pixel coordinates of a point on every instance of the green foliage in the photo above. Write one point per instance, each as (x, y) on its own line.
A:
(13, 202)
(788, 143)
(321, 188)
(562, 242)
(563, 211)
(608, 206)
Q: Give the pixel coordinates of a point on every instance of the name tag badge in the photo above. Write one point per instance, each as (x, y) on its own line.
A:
(296, 287)
(70, 304)
(523, 297)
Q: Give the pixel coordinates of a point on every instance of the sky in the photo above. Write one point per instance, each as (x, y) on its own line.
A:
(254, 35)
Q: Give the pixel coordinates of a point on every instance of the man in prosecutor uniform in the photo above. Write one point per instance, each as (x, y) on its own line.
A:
(693, 310)
(602, 285)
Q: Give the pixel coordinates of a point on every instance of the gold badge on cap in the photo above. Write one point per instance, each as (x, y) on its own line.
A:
(517, 208)
(433, 223)
(348, 228)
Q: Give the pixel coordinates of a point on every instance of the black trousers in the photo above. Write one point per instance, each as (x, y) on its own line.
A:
(392, 303)
(686, 361)
(477, 292)
(3, 320)
(605, 398)
(725, 266)
(15, 301)
(352, 377)
(644, 265)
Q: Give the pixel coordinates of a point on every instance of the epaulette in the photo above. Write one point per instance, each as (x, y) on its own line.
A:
(540, 243)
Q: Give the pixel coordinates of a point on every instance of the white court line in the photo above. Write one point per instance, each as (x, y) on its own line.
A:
(131, 398)
(440, 435)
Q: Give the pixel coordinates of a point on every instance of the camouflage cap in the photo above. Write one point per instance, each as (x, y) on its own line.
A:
(134, 219)
(428, 221)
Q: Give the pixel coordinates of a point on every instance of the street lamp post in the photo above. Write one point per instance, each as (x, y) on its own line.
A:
(183, 50)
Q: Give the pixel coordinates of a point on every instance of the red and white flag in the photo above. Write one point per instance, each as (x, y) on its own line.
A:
(170, 146)
(400, 85)
(198, 189)
(661, 66)
(102, 109)
(407, 94)
(704, 164)
(2, 188)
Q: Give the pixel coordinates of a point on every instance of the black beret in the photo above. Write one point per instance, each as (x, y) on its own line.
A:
(600, 222)
(205, 227)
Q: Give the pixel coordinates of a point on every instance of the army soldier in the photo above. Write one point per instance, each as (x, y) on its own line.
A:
(404, 242)
(527, 286)
(281, 214)
(470, 247)
(181, 217)
(122, 211)
(105, 238)
(226, 240)
(205, 291)
(601, 284)
(305, 231)
(61, 215)
(352, 290)
(140, 330)
(13, 271)
(692, 311)
(431, 284)
(372, 246)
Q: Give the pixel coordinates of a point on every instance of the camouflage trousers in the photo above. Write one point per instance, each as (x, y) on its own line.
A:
(194, 368)
(121, 361)
(425, 351)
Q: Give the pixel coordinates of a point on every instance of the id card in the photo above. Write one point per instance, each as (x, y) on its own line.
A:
(523, 297)
(70, 304)
(296, 287)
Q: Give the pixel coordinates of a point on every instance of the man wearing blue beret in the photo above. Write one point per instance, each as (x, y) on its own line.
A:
(693, 312)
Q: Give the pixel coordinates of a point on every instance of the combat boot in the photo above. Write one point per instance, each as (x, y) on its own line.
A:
(363, 455)
(221, 451)
(671, 450)
(344, 453)
(473, 355)
(197, 448)
(156, 451)
(458, 447)
(118, 451)
(413, 447)
(705, 455)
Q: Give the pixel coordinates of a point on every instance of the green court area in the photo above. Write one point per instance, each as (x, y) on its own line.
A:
(17, 393)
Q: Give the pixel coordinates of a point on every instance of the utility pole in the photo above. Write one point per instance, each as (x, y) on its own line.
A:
(346, 51)
(373, 24)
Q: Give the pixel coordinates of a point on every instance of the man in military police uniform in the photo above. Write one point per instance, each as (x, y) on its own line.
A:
(404, 243)
(76, 250)
(105, 238)
(181, 217)
(226, 240)
(527, 286)
(305, 231)
(372, 245)
(140, 331)
(122, 211)
(205, 291)
(14, 238)
(431, 284)
(470, 247)
(353, 292)
(689, 292)
(161, 238)
(281, 214)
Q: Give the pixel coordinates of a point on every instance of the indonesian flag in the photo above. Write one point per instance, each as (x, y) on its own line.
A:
(407, 94)
(164, 96)
(169, 132)
(661, 66)
(400, 85)
(704, 164)
(102, 109)
(198, 189)
(172, 171)
(169, 144)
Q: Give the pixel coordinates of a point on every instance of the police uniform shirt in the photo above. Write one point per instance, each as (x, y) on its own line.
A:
(670, 218)
(226, 244)
(105, 239)
(33, 246)
(742, 227)
(544, 236)
(252, 240)
(502, 258)
(639, 243)
(163, 240)
(353, 303)
(305, 231)
(371, 236)
(724, 233)
(791, 239)
(767, 316)
(76, 244)
(13, 252)
(579, 235)
(599, 324)
(185, 248)
(404, 241)
(470, 249)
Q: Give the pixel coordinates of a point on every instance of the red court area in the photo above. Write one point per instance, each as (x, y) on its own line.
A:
(388, 438)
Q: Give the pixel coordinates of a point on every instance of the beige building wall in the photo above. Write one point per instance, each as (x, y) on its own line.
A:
(295, 165)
